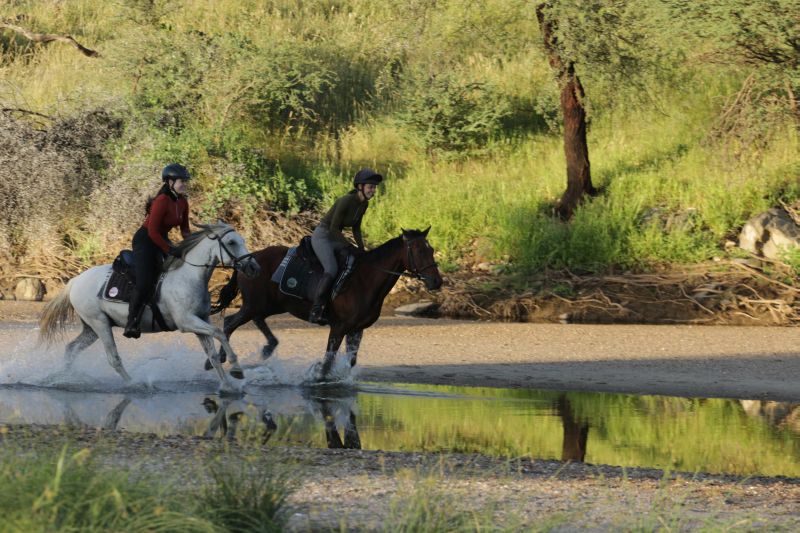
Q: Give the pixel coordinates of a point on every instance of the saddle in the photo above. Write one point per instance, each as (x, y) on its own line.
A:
(300, 271)
(121, 283)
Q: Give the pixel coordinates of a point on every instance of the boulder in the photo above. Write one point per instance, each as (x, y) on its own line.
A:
(770, 232)
(29, 289)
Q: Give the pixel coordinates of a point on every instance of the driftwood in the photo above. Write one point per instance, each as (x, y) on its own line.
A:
(48, 37)
(724, 292)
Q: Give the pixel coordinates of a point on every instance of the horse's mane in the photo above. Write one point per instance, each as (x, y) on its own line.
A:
(193, 240)
(376, 254)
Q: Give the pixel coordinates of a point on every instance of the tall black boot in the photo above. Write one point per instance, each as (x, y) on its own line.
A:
(135, 310)
(320, 299)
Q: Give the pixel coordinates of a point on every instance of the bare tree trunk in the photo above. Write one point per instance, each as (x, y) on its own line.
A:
(576, 149)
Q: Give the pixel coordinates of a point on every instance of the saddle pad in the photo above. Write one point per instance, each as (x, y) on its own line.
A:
(297, 277)
(118, 287)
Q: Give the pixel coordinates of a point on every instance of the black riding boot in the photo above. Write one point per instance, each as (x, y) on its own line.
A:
(135, 310)
(320, 299)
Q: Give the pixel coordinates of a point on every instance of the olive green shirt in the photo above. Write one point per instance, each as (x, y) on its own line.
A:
(346, 212)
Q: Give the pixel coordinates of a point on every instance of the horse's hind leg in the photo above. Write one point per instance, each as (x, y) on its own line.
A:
(272, 340)
(80, 343)
(352, 342)
(102, 327)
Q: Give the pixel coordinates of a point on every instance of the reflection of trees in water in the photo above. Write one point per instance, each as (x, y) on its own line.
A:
(783, 415)
(576, 433)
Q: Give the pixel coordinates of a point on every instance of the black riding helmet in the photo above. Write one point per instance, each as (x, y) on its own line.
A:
(175, 171)
(365, 176)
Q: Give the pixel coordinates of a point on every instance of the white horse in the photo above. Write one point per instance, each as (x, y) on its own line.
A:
(184, 300)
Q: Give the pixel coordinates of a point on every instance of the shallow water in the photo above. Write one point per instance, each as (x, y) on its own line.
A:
(712, 435)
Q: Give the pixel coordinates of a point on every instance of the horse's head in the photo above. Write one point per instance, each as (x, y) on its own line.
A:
(419, 258)
(231, 250)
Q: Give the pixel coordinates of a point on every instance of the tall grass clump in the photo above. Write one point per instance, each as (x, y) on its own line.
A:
(245, 499)
(428, 509)
(69, 492)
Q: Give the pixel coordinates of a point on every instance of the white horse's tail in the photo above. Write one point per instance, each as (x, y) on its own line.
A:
(55, 316)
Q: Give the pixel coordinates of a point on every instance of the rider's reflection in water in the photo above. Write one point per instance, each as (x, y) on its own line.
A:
(576, 433)
(228, 415)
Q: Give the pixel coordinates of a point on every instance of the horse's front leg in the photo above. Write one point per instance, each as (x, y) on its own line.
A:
(351, 439)
(334, 342)
(352, 342)
(201, 328)
(207, 342)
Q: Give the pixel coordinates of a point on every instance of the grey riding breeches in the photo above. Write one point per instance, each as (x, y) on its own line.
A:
(326, 247)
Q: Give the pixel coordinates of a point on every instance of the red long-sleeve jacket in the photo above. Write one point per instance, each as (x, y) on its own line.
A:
(165, 214)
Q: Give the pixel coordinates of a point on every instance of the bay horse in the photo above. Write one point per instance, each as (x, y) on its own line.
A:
(355, 308)
(184, 301)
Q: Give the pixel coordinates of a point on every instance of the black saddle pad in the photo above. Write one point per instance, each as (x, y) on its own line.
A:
(119, 287)
(300, 272)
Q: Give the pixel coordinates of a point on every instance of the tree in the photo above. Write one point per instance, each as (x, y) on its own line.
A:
(576, 149)
(616, 44)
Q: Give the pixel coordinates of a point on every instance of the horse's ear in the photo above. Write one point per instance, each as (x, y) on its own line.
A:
(425, 231)
(403, 231)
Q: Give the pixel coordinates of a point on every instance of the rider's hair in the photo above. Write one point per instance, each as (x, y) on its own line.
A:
(165, 189)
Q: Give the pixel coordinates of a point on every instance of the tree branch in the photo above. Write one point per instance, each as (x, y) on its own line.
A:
(48, 37)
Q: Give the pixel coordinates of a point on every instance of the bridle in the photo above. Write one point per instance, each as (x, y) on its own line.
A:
(412, 271)
(236, 261)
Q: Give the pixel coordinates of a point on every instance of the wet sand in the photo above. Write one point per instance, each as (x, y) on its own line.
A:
(696, 361)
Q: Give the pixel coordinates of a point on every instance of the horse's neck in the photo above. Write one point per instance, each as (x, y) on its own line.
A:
(199, 255)
(386, 268)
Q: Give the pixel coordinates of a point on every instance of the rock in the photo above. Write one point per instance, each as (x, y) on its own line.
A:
(29, 289)
(421, 308)
(769, 233)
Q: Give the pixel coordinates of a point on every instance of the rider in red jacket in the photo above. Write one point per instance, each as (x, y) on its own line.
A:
(169, 209)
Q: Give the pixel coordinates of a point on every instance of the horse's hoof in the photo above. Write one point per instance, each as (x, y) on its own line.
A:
(237, 373)
(266, 352)
(209, 366)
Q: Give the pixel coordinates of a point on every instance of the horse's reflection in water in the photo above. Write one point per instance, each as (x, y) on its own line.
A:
(111, 421)
(227, 415)
(351, 439)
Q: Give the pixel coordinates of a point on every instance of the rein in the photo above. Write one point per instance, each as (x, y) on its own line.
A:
(412, 271)
(236, 260)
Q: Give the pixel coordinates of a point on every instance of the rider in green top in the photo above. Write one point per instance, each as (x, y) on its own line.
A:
(327, 238)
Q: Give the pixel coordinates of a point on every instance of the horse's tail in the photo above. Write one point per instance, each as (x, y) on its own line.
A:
(226, 295)
(55, 316)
